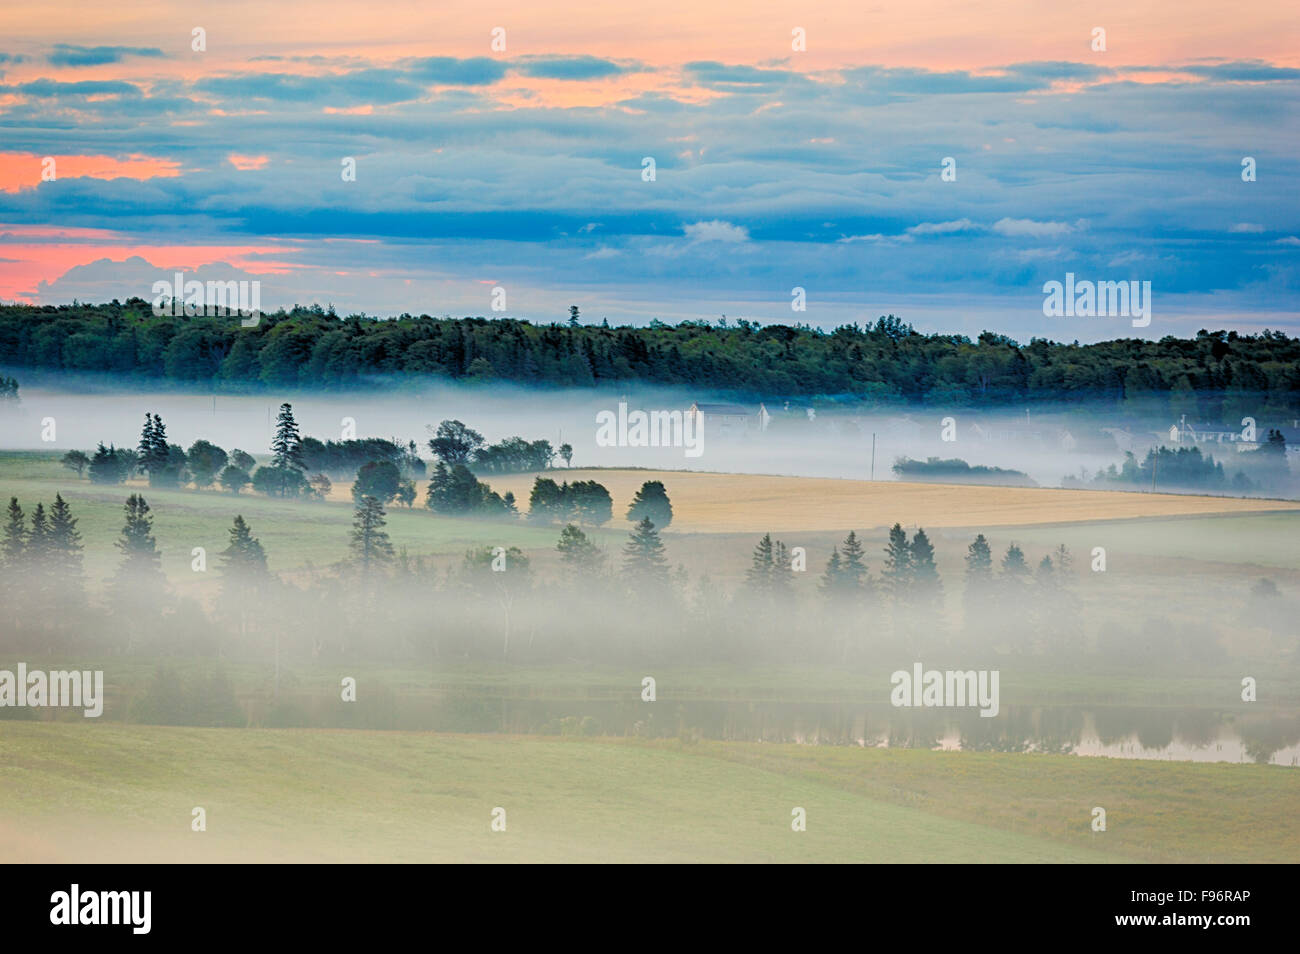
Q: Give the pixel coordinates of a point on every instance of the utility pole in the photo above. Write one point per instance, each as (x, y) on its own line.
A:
(873, 455)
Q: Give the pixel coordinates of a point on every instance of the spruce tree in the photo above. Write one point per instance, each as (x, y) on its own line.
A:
(781, 580)
(759, 574)
(39, 544)
(370, 546)
(897, 573)
(979, 562)
(243, 558)
(853, 564)
(1013, 564)
(925, 575)
(978, 588)
(15, 536)
(107, 466)
(643, 554)
(286, 476)
(138, 585)
(139, 548)
(1064, 560)
(65, 543)
(286, 447)
(832, 580)
(153, 453)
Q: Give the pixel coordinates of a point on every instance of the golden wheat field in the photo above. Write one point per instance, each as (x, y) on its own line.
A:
(730, 503)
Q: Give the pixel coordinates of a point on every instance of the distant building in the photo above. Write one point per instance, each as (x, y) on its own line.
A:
(729, 417)
(1184, 433)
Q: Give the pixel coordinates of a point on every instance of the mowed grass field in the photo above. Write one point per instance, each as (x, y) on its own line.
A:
(79, 793)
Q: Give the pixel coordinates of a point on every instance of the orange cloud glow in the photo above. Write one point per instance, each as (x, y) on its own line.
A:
(26, 170)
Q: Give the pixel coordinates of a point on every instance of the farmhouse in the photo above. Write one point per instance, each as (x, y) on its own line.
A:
(729, 417)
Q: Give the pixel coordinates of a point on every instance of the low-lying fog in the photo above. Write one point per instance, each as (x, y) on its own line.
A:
(797, 439)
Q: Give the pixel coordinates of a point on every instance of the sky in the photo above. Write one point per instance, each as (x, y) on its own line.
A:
(794, 146)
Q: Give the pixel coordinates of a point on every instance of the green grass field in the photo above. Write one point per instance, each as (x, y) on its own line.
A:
(298, 534)
(95, 792)
(77, 790)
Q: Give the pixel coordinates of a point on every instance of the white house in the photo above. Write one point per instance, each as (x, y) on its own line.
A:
(729, 417)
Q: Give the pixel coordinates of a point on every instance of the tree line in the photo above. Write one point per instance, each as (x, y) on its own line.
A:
(301, 467)
(881, 361)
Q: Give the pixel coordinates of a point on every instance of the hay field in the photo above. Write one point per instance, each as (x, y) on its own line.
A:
(745, 503)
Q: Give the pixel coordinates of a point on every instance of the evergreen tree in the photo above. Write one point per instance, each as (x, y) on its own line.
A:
(163, 463)
(979, 562)
(1064, 560)
(759, 574)
(244, 558)
(370, 546)
(39, 545)
(832, 580)
(244, 577)
(1014, 567)
(286, 446)
(438, 497)
(978, 591)
(897, 573)
(139, 548)
(286, 475)
(108, 466)
(781, 579)
(925, 575)
(65, 544)
(15, 537)
(853, 563)
(643, 554)
(137, 587)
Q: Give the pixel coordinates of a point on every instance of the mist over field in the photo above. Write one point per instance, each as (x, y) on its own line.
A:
(803, 437)
(704, 433)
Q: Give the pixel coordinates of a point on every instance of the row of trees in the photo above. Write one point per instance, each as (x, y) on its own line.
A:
(884, 360)
(1187, 468)
(452, 443)
(379, 602)
(453, 487)
(8, 391)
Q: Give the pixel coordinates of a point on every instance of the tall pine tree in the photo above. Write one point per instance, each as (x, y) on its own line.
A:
(643, 554)
(370, 546)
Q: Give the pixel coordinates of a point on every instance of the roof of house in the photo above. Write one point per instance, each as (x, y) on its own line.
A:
(731, 410)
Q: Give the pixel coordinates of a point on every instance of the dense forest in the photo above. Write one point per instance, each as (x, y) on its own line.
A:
(884, 361)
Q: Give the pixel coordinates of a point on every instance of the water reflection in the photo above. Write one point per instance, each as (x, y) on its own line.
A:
(1196, 735)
